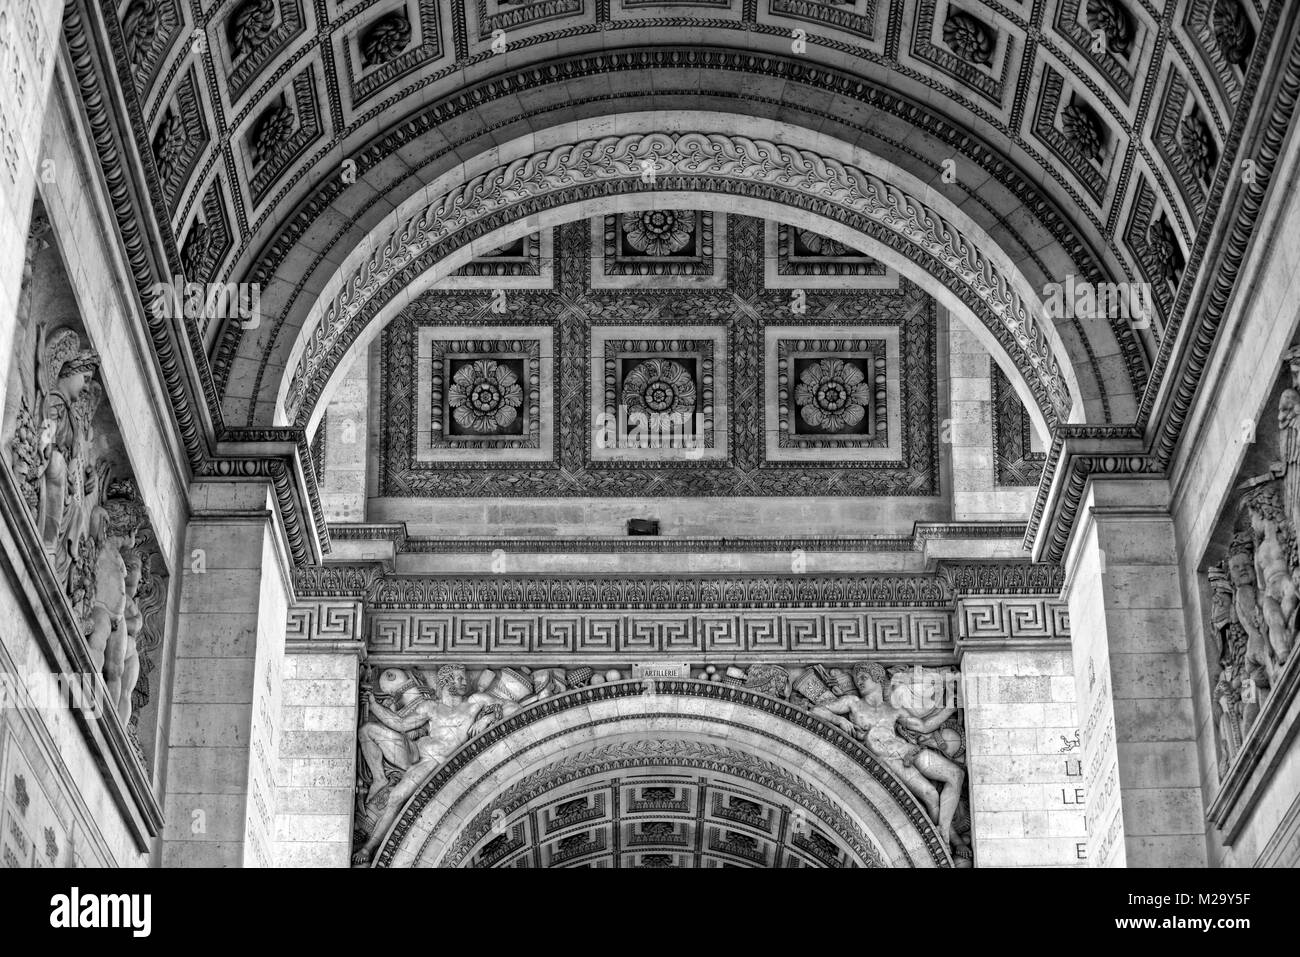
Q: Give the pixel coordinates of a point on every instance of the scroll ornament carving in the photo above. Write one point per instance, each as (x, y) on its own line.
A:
(95, 529)
(752, 164)
(906, 717)
(1255, 590)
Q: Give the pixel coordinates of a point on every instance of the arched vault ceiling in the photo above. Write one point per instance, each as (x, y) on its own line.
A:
(277, 134)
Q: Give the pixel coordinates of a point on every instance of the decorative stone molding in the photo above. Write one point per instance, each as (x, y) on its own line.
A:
(709, 161)
(728, 355)
(1010, 623)
(922, 533)
(883, 633)
(1014, 460)
(316, 626)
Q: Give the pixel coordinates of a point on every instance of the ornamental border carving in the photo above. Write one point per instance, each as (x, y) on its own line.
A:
(696, 161)
(446, 635)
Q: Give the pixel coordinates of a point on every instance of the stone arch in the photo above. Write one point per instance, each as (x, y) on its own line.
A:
(834, 188)
(684, 724)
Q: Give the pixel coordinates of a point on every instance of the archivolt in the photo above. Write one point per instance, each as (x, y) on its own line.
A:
(685, 724)
(450, 216)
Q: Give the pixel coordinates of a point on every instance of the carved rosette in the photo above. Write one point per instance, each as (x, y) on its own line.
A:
(169, 146)
(832, 395)
(272, 132)
(659, 232)
(1163, 247)
(251, 26)
(1110, 17)
(195, 251)
(659, 387)
(970, 39)
(485, 396)
(1082, 129)
(385, 39)
(1198, 146)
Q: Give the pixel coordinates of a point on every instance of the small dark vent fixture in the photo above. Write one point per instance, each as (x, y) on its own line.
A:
(643, 526)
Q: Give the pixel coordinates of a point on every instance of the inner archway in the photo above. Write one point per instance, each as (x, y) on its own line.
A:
(799, 176)
(743, 777)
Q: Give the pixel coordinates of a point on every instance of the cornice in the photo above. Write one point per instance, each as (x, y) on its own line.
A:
(922, 532)
(376, 585)
(1146, 449)
(182, 362)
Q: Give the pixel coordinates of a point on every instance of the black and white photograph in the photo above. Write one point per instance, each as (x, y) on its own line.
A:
(650, 435)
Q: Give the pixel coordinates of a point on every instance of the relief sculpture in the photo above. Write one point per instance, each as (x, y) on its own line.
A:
(1254, 591)
(905, 716)
(88, 514)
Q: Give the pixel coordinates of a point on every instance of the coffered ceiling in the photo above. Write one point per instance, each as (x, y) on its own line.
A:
(1079, 136)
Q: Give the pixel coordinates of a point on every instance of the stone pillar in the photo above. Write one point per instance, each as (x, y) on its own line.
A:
(224, 732)
(29, 36)
(318, 737)
(1132, 678)
(1022, 734)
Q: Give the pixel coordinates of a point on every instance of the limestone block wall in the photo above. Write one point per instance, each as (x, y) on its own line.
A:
(318, 734)
(975, 496)
(1026, 783)
(317, 760)
(224, 734)
(1027, 797)
(1133, 685)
